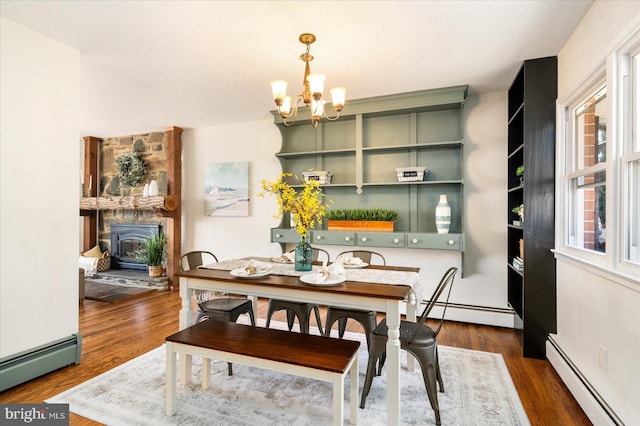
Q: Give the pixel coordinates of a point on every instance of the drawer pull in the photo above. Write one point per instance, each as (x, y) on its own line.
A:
(318, 238)
(414, 241)
(396, 240)
(278, 236)
(450, 242)
(364, 239)
(347, 239)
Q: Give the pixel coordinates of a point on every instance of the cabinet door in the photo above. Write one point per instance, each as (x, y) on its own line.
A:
(381, 239)
(341, 238)
(435, 241)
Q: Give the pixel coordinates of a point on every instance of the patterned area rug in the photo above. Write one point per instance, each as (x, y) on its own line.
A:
(478, 391)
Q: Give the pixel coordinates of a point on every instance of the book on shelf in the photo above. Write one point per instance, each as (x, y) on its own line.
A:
(518, 263)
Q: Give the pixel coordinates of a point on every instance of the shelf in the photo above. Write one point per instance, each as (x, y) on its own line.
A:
(428, 145)
(160, 202)
(517, 271)
(312, 153)
(516, 188)
(421, 182)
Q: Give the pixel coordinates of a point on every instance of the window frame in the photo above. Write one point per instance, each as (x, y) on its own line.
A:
(620, 77)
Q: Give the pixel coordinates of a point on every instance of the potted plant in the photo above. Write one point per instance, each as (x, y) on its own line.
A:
(520, 173)
(374, 220)
(519, 210)
(155, 247)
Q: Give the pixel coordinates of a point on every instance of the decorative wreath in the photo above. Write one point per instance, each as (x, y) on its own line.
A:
(131, 169)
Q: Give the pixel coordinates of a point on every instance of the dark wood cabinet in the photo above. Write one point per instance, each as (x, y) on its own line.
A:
(531, 143)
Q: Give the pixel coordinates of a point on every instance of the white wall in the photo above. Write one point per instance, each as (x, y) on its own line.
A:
(39, 189)
(593, 309)
(485, 185)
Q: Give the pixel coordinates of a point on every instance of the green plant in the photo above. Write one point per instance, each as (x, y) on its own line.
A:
(363, 214)
(519, 210)
(131, 169)
(155, 247)
(520, 171)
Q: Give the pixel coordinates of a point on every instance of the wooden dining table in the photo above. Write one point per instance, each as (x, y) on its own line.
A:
(370, 296)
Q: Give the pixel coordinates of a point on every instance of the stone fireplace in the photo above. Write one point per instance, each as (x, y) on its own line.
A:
(128, 242)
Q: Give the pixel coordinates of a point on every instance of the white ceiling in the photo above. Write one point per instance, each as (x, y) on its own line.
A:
(150, 64)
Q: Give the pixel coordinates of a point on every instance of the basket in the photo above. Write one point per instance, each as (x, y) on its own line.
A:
(323, 177)
(410, 174)
(104, 262)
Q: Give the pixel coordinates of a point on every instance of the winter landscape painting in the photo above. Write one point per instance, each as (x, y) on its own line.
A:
(226, 189)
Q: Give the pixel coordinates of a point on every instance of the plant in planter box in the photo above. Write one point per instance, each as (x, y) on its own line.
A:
(519, 210)
(361, 219)
(155, 250)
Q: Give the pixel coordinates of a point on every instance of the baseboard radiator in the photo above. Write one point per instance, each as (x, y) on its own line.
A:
(28, 365)
(591, 402)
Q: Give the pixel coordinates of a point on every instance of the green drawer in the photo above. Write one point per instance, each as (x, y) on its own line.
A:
(435, 241)
(284, 235)
(380, 239)
(341, 238)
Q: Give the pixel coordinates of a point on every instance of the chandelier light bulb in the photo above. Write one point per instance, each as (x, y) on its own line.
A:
(279, 89)
(338, 96)
(316, 84)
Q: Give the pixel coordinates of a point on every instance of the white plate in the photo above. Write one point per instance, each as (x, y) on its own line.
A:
(311, 279)
(281, 259)
(348, 266)
(242, 273)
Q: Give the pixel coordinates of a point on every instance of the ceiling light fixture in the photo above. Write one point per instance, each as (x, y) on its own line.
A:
(311, 95)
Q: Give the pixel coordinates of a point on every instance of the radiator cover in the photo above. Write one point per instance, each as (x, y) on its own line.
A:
(32, 363)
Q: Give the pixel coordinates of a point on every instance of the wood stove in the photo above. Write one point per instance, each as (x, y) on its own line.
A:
(128, 244)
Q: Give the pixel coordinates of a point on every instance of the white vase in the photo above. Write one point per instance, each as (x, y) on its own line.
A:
(153, 188)
(443, 215)
(145, 191)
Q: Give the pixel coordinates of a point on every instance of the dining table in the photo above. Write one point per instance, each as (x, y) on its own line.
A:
(384, 289)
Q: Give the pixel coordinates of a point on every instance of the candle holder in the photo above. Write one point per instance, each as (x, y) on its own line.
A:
(82, 189)
(89, 192)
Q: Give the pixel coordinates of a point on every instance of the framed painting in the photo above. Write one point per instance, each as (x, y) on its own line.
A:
(226, 189)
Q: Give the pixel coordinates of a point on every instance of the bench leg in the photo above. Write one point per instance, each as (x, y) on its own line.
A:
(353, 388)
(170, 401)
(338, 399)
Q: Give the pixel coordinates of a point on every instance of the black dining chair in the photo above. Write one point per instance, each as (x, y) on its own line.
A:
(225, 308)
(367, 319)
(300, 310)
(418, 339)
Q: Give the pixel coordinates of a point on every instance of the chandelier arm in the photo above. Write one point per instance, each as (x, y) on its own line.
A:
(325, 115)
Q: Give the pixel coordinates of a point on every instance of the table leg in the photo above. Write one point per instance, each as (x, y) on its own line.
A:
(393, 362)
(185, 361)
(186, 314)
(411, 316)
(170, 402)
(338, 400)
(254, 304)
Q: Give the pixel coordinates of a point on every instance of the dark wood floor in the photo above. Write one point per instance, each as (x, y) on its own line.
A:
(115, 333)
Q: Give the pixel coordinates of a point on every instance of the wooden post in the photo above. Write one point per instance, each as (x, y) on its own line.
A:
(90, 232)
(174, 188)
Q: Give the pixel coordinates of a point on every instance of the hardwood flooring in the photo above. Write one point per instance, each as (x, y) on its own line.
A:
(115, 333)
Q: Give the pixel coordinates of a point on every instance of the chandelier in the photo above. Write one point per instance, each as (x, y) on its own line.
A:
(311, 94)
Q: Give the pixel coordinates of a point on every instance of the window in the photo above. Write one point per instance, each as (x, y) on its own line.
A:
(600, 176)
(588, 182)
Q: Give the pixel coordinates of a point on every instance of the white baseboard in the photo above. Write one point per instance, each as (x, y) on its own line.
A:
(594, 406)
(497, 317)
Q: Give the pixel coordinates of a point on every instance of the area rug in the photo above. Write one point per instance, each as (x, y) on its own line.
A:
(112, 293)
(478, 391)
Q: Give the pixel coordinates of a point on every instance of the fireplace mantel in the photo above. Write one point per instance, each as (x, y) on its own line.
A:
(166, 202)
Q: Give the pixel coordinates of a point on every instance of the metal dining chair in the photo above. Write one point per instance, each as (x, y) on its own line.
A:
(418, 339)
(366, 318)
(300, 310)
(225, 308)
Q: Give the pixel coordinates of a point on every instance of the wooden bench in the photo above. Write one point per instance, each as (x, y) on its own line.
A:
(316, 357)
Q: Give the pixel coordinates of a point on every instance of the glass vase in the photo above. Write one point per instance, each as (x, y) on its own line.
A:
(304, 255)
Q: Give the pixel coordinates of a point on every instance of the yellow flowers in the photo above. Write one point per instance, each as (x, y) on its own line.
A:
(307, 206)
